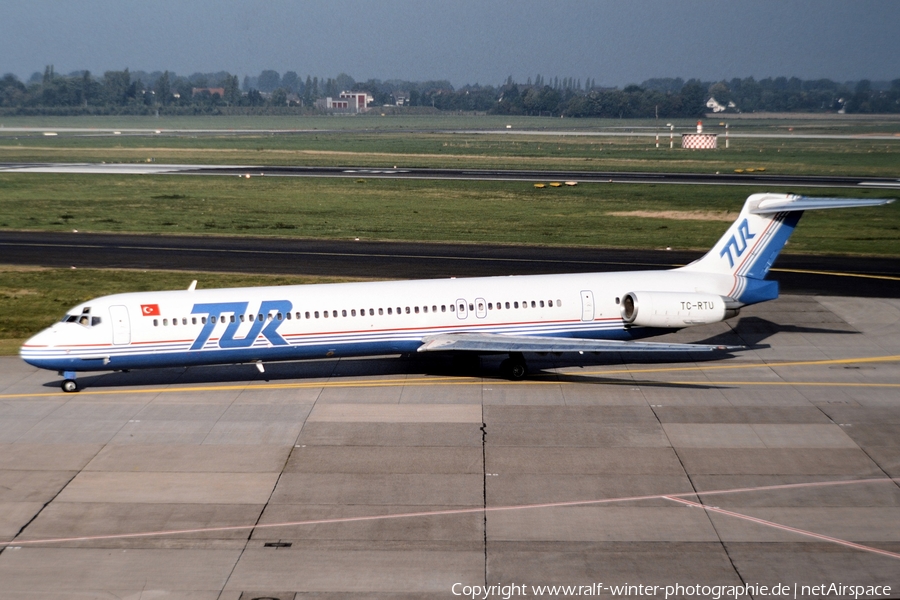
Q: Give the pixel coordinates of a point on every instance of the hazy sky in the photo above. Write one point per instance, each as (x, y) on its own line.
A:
(465, 41)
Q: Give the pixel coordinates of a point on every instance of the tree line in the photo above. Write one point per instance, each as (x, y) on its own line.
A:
(127, 92)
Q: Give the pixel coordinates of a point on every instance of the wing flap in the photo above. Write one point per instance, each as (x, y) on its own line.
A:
(488, 342)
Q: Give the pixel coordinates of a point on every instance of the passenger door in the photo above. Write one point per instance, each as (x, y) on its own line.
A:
(120, 324)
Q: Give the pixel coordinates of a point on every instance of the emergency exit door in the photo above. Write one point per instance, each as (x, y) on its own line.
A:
(587, 305)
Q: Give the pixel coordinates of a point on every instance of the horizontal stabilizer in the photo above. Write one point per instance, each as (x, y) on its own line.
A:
(792, 203)
(490, 342)
(749, 248)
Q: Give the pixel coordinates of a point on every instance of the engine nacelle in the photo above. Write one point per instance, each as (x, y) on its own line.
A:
(673, 309)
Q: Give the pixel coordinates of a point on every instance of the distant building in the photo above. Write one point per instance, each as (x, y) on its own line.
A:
(347, 102)
(401, 98)
(717, 107)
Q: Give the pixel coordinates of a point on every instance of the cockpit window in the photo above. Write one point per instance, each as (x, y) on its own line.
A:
(85, 319)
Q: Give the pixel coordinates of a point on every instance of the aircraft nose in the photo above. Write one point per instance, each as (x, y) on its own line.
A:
(45, 338)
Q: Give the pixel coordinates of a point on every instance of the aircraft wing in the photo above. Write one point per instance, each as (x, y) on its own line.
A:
(491, 342)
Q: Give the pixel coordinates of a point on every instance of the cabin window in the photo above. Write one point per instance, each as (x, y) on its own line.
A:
(380, 311)
(156, 322)
(174, 322)
(425, 309)
(507, 305)
(481, 306)
(279, 316)
(203, 320)
(452, 307)
(231, 318)
(193, 320)
(250, 318)
(212, 319)
(306, 314)
(490, 306)
(533, 305)
(352, 312)
(515, 305)
(241, 317)
(166, 322)
(471, 306)
(416, 310)
(542, 304)
(398, 310)
(407, 310)
(316, 314)
(343, 313)
(325, 314)
(390, 310)
(558, 302)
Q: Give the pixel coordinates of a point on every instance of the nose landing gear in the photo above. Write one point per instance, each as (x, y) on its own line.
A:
(69, 384)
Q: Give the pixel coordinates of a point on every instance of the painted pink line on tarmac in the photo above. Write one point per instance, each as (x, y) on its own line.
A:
(462, 511)
(788, 528)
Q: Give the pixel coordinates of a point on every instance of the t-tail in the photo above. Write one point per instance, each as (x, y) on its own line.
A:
(752, 243)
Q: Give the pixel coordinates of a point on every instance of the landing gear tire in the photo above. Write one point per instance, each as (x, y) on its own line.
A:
(69, 385)
(514, 368)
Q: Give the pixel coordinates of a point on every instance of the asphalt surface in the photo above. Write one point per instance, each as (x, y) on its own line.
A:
(755, 178)
(392, 479)
(829, 275)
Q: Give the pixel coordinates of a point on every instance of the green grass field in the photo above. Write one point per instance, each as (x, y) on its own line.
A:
(455, 211)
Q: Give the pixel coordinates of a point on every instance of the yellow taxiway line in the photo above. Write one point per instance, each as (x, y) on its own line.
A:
(437, 381)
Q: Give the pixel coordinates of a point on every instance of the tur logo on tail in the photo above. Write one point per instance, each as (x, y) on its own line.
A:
(738, 243)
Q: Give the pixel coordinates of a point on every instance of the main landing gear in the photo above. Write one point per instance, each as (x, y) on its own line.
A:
(69, 384)
(514, 367)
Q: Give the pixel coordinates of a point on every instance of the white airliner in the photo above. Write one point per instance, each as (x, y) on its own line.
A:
(589, 312)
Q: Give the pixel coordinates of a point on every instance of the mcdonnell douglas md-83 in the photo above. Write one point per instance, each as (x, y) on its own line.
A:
(589, 312)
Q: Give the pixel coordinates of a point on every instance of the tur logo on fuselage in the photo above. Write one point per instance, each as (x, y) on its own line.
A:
(263, 323)
(738, 243)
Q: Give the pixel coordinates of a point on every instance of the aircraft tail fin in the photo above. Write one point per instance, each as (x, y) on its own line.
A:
(752, 243)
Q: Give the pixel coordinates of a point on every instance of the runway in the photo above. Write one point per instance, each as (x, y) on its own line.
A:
(754, 178)
(395, 478)
(871, 277)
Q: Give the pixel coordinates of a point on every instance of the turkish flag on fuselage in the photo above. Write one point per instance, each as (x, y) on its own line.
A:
(149, 310)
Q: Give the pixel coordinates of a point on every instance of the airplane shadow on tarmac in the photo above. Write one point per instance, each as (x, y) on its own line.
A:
(752, 331)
